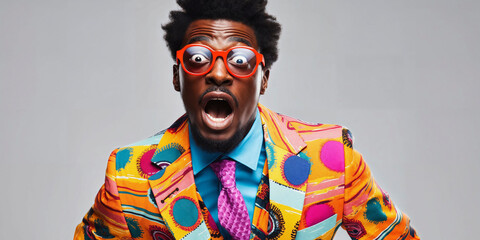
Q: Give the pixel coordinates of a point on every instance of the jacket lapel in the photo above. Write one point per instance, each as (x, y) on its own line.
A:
(175, 191)
(287, 172)
(174, 187)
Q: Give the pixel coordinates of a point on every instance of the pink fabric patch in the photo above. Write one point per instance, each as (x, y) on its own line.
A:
(146, 165)
(212, 223)
(111, 186)
(332, 156)
(318, 213)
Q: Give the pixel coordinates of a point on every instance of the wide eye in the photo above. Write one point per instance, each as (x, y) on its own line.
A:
(198, 58)
(238, 60)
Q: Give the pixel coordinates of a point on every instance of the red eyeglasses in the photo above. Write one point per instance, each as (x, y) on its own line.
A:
(241, 61)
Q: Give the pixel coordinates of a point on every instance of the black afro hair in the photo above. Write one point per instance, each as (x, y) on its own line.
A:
(249, 12)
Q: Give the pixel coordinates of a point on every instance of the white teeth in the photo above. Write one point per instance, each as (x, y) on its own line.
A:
(216, 119)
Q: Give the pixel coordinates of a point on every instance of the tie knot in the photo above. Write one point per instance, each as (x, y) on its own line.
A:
(225, 171)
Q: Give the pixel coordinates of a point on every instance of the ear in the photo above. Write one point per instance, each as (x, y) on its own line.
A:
(176, 78)
(263, 87)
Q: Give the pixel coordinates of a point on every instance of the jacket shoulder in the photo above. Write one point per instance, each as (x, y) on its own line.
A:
(153, 140)
(315, 131)
(134, 159)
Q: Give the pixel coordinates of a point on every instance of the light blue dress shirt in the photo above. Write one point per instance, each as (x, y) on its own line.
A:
(251, 155)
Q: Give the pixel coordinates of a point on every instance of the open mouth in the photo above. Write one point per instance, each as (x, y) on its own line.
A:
(217, 110)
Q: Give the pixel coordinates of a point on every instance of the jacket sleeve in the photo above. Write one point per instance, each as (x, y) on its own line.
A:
(105, 219)
(368, 212)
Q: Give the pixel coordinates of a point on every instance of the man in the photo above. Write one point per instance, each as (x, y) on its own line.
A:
(231, 168)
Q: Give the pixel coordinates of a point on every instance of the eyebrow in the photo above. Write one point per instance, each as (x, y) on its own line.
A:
(198, 39)
(232, 39)
(242, 40)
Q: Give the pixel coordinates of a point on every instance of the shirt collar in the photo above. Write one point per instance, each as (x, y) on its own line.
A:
(246, 152)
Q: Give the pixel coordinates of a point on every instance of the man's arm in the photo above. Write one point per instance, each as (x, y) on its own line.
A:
(105, 220)
(369, 213)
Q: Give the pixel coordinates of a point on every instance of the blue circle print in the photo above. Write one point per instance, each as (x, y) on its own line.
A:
(123, 157)
(296, 170)
(185, 212)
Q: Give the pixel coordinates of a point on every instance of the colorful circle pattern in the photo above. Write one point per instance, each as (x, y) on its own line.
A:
(296, 170)
(186, 213)
(354, 228)
(167, 155)
(144, 165)
(276, 224)
(161, 232)
(123, 157)
(333, 156)
(318, 213)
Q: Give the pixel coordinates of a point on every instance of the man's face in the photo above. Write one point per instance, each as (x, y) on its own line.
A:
(220, 107)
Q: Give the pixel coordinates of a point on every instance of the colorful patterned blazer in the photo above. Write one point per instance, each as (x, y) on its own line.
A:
(313, 182)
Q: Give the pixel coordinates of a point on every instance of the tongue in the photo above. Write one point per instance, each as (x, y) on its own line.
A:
(218, 108)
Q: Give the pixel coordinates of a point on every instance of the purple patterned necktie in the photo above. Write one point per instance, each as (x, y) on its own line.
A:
(232, 211)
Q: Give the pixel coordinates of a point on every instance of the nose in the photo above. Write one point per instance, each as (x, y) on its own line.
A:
(219, 74)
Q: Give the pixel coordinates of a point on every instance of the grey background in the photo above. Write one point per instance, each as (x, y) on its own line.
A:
(80, 78)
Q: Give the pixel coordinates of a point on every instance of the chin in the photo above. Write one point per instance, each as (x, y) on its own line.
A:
(220, 143)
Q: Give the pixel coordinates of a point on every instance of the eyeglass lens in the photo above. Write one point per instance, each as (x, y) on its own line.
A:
(240, 61)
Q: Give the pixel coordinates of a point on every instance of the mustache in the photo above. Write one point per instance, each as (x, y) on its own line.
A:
(219, 89)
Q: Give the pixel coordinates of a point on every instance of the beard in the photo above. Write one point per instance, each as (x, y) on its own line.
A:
(223, 146)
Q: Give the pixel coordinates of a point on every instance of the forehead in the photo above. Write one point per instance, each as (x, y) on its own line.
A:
(220, 31)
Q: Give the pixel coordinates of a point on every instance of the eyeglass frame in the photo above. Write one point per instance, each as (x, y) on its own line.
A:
(223, 54)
